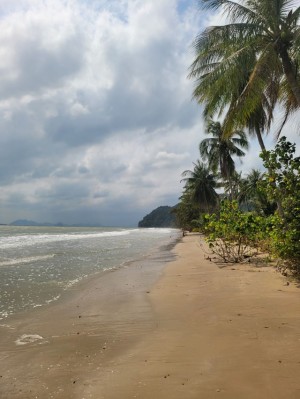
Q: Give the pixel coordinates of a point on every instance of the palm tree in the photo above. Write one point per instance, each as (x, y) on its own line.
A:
(259, 120)
(187, 211)
(200, 183)
(235, 185)
(252, 195)
(263, 38)
(218, 150)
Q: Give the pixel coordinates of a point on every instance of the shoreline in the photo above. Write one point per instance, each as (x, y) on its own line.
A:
(81, 283)
(173, 326)
(88, 324)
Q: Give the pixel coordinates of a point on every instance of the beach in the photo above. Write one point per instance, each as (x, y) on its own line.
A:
(174, 325)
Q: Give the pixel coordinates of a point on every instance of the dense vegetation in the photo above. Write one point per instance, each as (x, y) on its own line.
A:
(242, 71)
(162, 216)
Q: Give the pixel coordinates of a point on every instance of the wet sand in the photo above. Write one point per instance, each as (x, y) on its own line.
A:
(184, 329)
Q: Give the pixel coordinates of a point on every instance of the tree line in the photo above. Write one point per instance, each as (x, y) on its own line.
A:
(243, 71)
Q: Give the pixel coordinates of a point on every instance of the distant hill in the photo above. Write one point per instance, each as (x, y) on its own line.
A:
(159, 217)
(24, 222)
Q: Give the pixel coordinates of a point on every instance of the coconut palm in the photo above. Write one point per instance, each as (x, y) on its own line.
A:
(200, 183)
(259, 120)
(253, 196)
(218, 150)
(233, 187)
(263, 37)
(187, 212)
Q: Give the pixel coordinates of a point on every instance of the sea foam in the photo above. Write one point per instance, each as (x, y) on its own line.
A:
(30, 259)
(26, 339)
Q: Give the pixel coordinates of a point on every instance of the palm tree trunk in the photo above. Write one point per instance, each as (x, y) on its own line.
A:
(260, 139)
(290, 73)
(230, 186)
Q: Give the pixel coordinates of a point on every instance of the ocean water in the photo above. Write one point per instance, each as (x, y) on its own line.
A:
(38, 263)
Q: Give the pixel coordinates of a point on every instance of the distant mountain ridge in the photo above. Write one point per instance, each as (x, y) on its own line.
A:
(25, 222)
(159, 217)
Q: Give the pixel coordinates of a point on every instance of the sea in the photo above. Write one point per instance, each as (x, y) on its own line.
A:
(37, 264)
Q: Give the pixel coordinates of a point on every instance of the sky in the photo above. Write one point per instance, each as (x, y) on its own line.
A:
(97, 120)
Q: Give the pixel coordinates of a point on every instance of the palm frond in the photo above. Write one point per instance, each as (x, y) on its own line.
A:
(239, 69)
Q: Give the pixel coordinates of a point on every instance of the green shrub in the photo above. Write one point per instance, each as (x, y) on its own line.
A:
(282, 184)
(234, 235)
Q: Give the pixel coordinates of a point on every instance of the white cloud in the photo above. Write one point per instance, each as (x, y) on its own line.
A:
(97, 121)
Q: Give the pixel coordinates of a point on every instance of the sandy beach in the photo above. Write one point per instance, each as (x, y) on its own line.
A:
(173, 326)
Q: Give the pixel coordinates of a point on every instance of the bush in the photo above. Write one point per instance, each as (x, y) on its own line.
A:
(282, 184)
(234, 235)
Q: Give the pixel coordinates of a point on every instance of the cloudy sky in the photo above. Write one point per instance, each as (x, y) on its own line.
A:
(96, 117)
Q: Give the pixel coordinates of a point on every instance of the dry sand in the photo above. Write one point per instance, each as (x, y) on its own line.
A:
(185, 330)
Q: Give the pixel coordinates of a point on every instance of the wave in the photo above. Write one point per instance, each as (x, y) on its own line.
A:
(30, 259)
(155, 230)
(34, 239)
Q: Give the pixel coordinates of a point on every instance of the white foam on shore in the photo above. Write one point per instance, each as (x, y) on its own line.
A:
(26, 339)
(7, 326)
(53, 299)
(25, 240)
(20, 241)
(70, 283)
(29, 259)
(4, 314)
